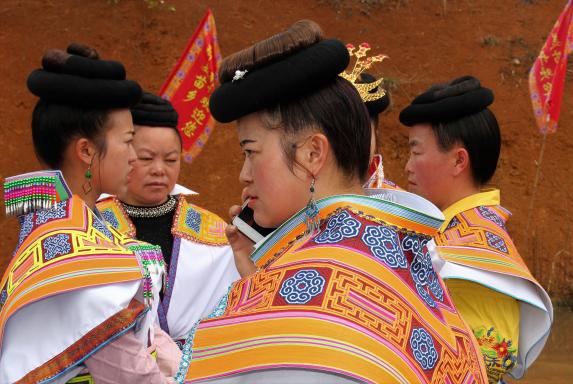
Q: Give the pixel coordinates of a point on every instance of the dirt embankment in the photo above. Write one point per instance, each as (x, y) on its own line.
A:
(495, 40)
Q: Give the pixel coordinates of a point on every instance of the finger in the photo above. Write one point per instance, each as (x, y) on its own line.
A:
(231, 235)
(234, 211)
(231, 230)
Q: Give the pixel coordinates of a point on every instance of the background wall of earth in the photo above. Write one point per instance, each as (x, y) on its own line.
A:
(428, 41)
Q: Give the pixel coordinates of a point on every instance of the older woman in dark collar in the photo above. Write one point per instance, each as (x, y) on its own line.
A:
(155, 209)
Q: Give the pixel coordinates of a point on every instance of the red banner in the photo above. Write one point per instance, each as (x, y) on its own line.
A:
(547, 76)
(190, 85)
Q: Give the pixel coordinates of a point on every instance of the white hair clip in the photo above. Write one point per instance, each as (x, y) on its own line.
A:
(239, 75)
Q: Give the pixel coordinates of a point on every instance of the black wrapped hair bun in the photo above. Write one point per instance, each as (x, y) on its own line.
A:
(153, 111)
(280, 80)
(78, 77)
(447, 102)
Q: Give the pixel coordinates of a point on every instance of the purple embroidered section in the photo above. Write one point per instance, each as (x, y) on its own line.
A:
(453, 223)
(490, 215)
(164, 304)
(162, 316)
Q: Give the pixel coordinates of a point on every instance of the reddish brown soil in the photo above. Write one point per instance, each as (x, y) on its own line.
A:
(496, 40)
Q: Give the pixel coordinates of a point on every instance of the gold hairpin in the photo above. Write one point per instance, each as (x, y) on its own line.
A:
(363, 63)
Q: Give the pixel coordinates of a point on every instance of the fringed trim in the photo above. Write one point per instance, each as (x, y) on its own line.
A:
(34, 191)
(150, 255)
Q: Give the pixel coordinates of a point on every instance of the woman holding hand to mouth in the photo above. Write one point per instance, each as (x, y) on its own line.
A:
(155, 209)
(343, 291)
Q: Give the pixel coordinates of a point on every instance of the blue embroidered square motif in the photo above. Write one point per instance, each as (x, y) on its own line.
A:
(193, 220)
(56, 245)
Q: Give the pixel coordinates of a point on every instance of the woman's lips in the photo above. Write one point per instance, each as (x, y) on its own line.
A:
(252, 201)
(156, 185)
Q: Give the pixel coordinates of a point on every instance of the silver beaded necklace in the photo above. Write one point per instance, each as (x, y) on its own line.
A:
(148, 212)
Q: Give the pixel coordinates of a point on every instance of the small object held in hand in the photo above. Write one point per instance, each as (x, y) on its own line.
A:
(245, 223)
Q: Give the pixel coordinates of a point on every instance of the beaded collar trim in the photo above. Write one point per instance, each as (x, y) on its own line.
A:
(149, 212)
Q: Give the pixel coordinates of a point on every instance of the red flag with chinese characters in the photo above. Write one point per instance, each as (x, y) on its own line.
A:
(190, 85)
(547, 76)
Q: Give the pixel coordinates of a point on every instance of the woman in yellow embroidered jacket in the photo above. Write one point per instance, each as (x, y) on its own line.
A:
(455, 143)
(78, 298)
(345, 290)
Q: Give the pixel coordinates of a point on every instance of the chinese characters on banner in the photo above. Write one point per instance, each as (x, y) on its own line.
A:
(190, 85)
(547, 76)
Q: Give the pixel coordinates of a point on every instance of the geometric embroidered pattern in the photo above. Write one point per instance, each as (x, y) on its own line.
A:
(423, 348)
(496, 242)
(109, 217)
(488, 214)
(97, 224)
(56, 245)
(190, 222)
(453, 223)
(3, 297)
(193, 220)
(370, 306)
(198, 225)
(113, 213)
(339, 227)
(413, 243)
(26, 226)
(435, 286)
(425, 295)
(302, 287)
(59, 212)
(480, 242)
(312, 288)
(421, 267)
(385, 245)
(424, 276)
(41, 268)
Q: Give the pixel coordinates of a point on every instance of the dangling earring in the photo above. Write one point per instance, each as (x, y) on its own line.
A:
(87, 186)
(312, 219)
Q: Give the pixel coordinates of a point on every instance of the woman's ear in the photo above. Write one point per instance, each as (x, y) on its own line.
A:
(84, 150)
(461, 160)
(313, 152)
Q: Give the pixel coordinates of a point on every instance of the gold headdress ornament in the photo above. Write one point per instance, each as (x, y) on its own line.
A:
(363, 63)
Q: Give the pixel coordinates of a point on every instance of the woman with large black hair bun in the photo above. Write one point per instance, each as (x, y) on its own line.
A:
(78, 300)
(343, 291)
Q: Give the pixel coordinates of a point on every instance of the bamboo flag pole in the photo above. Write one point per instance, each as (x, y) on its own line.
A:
(538, 164)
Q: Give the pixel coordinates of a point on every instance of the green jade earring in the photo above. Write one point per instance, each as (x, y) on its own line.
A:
(87, 186)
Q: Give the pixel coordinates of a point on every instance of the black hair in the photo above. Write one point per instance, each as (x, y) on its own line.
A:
(480, 136)
(337, 110)
(331, 106)
(54, 126)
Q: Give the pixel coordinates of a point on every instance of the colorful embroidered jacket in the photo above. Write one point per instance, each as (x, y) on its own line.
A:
(202, 262)
(72, 286)
(356, 302)
(478, 260)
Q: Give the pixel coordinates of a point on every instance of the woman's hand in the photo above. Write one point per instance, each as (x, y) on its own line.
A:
(242, 246)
